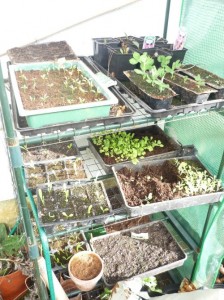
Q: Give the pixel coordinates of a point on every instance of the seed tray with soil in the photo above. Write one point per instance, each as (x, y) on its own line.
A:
(77, 203)
(210, 78)
(168, 147)
(189, 90)
(59, 171)
(166, 184)
(126, 224)
(145, 250)
(52, 151)
(41, 52)
(150, 94)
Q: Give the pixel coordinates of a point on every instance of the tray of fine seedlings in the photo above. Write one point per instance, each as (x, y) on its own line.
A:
(52, 162)
(166, 184)
(144, 250)
(72, 202)
(148, 143)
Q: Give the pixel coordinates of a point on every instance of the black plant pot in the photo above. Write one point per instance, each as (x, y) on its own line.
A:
(119, 62)
(100, 50)
(210, 79)
(189, 91)
(160, 41)
(149, 94)
(153, 52)
(176, 54)
(158, 104)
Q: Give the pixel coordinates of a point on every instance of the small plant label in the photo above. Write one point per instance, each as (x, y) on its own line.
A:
(140, 236)
(105, 80)
(180, 40)
(149, 42)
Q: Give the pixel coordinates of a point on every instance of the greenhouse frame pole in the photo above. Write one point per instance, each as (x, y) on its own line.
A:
(167, 13)
(16, 162)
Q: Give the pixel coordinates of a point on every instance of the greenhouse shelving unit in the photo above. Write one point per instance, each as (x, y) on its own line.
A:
(197, 229)
(183, 233)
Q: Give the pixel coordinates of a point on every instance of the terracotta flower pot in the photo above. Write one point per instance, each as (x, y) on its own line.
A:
(85, 269)
(12, 286)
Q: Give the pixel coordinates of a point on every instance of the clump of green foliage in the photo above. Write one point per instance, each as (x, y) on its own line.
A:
(149, 72)
(125, 146)
(195, 181)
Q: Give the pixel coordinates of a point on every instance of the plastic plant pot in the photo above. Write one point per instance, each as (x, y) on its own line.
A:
(151, 96)
(37, 118)
(176, 54)
(210, 79)
(89, 265)
(118, 62)
(188, 89)
(100, 49)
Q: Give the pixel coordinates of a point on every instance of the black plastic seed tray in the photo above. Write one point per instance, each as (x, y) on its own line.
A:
(21, 124)
(179, 108)
(72, 202)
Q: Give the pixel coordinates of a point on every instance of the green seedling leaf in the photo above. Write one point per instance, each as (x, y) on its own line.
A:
(89, 209)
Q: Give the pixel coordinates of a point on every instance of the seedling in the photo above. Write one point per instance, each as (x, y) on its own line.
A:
(186, 78)
(200, 81)
(89, 209)
(151, 74)
(105, 295)
(69, 146)
(124, 48)
(124, 146)
(104, 210)
(149, 198)
(67, 216)
(194, 180)
(151, 283)
(41, 197)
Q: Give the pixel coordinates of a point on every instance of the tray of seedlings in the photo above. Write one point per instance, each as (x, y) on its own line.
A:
(148, 143)
(56, 161)
(72, 202)
(121, 112)
(178, 105)
(142, 251)
(166, 184)
(63, 245)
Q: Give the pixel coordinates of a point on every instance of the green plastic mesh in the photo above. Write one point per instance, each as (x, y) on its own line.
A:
(204, 22)
(212, 252)
(206, 133)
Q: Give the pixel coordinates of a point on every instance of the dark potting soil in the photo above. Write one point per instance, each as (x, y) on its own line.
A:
(188, 84)
(158, 180)
(41, 52)
(125, 257)
(73, 203)
(59, 171)
(168, 146)
(209, 77)
(150, 90)
(127, 224)
(48, 152)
